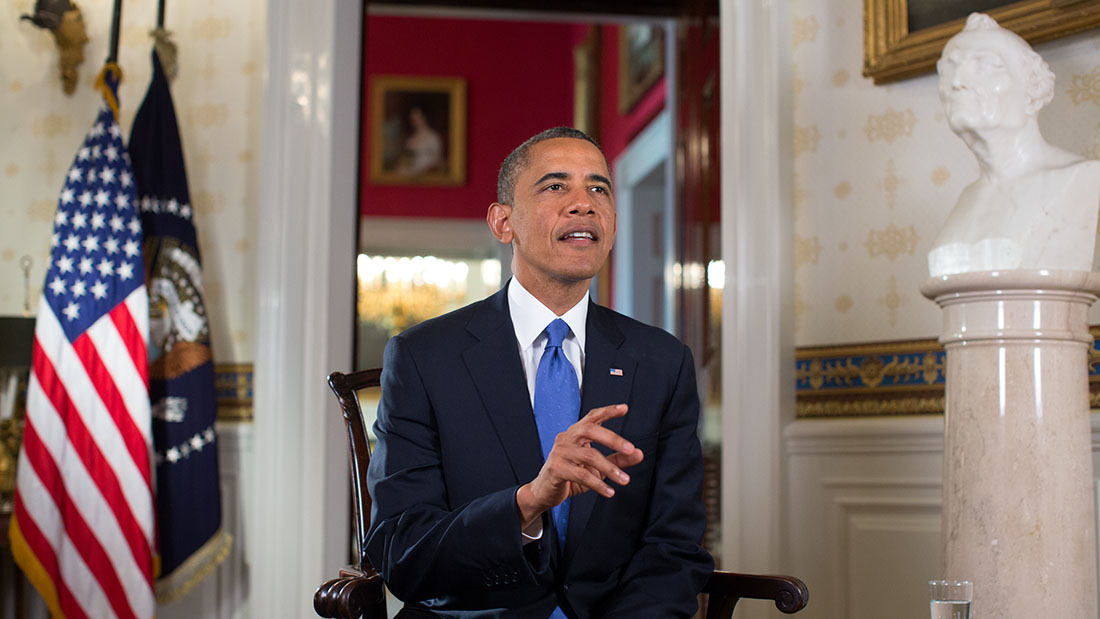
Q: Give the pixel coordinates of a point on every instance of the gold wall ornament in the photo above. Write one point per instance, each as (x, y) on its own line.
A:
(65, 21)
(1086, 87)
(892, 52)
(891, 183)
(806, 250)
(806, 139)
(798, 195)
(842, 190)
(891, 241)
(802, 307)
(167, 52)
(843, 303)
(797, 84)
(47, 13)
(71, 38)
(892, 301)
(890, 125)
(804, 30)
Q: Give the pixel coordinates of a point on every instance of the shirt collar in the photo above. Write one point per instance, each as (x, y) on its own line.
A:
(530, 316)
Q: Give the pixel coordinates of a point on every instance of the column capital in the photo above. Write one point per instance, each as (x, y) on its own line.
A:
(1022, 306)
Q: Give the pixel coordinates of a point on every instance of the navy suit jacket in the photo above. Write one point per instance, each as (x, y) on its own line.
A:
(457, 437)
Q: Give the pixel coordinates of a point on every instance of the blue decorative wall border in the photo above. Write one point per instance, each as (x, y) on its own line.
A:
(885, 378)
(233, 389)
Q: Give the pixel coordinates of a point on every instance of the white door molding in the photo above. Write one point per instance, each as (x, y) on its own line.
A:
(642, 156)
(757, 334)
(297, 533)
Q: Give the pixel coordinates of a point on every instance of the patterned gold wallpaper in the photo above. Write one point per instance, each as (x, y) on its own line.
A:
(219, 104)
(877, 169)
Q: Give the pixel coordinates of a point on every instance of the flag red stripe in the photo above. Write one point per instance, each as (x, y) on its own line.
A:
(98, 468)
(42, 550)
(108, 391)
(80, 534)
(132, 337)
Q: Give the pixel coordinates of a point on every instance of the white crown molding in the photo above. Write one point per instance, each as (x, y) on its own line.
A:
(903, 434)
(865, 435)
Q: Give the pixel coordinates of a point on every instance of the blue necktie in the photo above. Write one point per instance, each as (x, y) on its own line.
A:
(557, 406)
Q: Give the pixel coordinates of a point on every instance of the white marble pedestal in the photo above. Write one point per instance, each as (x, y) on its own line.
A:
(1018, 511)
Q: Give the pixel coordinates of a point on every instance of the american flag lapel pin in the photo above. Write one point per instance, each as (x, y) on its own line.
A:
(616, 372)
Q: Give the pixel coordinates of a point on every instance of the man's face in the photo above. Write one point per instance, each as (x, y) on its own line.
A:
(561, 222)
(981, 83)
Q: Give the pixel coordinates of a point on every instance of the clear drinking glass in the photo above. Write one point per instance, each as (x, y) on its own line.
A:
(950, 598)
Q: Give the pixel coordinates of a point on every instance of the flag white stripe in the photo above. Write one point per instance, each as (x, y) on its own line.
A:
(138, 302)
(85, 496)
(131, 385)
(89, 595)
(74, 572)
(93, 411)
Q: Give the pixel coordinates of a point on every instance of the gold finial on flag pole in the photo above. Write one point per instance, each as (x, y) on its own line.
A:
(113, 72)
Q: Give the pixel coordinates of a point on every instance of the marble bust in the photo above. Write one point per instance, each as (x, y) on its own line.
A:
(1033, 205)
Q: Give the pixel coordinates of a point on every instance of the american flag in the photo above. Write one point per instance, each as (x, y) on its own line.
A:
(83, 526)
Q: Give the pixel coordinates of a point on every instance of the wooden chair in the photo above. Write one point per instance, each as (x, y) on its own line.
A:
(358, 590)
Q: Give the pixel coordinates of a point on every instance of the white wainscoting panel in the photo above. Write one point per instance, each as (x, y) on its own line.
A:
(863, 505)
(886, 522)
(863, 499)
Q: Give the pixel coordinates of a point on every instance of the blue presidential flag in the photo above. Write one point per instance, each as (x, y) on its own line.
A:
(191, 540)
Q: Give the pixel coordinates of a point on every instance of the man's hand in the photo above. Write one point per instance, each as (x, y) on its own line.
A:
(574, 466)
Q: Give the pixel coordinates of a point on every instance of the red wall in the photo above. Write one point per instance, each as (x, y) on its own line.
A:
(519, 81)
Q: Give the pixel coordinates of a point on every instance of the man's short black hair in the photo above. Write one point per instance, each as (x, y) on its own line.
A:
(515, 162)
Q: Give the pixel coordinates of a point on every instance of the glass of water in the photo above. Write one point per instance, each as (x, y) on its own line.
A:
(950, 598)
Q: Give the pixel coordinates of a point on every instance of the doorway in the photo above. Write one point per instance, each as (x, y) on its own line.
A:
(645, 243)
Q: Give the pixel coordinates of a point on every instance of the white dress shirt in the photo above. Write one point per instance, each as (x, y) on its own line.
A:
(530, 318)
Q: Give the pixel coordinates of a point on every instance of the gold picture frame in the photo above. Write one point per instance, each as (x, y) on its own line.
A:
(641, 62)
(417, 130)
(586, 83)
(891, 52)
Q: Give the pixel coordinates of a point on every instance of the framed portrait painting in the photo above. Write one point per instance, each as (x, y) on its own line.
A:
(417, 130)
(903, 38)
(641, 62)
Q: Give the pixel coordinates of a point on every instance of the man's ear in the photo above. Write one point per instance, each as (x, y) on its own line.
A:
(499, 219)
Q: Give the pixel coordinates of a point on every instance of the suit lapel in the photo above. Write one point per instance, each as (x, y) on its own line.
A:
(497, 373)
(602, 355)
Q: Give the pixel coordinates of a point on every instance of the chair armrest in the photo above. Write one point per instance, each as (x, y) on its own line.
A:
(725, 588)
(352, 595)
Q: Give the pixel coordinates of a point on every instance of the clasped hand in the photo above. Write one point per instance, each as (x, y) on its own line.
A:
(574, 466)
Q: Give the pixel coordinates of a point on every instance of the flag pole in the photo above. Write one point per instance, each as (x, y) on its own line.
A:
(116, 22)
(160, 15)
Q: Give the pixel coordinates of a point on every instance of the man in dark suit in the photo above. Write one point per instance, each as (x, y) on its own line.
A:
(494, 496)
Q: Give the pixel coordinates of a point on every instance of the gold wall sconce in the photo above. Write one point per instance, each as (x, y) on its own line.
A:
(65, 21)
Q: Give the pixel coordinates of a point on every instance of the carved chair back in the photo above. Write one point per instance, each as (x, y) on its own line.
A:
(358, 591)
